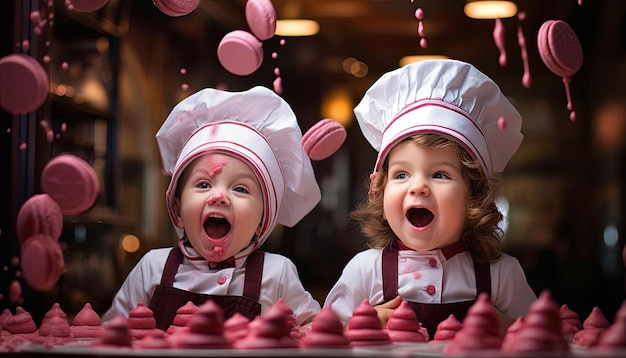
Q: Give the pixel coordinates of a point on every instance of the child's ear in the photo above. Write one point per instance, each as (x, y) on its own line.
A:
(176, 208)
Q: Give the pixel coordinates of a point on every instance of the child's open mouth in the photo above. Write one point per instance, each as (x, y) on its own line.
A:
(419, 217)
(216, 227)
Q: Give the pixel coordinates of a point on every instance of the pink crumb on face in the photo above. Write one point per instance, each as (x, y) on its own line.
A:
(217, 196)
(216, 167)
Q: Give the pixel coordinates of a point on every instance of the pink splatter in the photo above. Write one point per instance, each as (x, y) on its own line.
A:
(217, 197)
(23, 146)
(521, 40)
(65, 65)
(419, 15)
(183, 71)
(15, 291)
(501, 123)
(184, 86)
(46, 59)
(35, 16)
(498, 38)
(278, 85)
(580, 2)
(276, 71)
(274, 55)
(15, 261)
(282, 42)
(8, 130)
(417, 275)
(25, 45)
(570, 106)
(216, 167)
(63, 127)
(5, 268)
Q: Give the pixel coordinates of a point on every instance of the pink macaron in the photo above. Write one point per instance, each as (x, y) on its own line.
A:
(40, 214)
(240, 52)
(24, 84)
(88, 5)
(261, 17)
(71, 182)
(323, 139)
(41, 261)
(176, 8)
(559, 48)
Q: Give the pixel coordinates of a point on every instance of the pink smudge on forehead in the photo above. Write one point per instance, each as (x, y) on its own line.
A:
(216, 167)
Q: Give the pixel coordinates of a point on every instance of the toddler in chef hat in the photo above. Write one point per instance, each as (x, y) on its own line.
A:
(238, 169)
(441, 129)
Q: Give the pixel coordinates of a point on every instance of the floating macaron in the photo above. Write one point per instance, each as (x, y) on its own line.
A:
(71, 182)
(41, 261)
(24, 84)
(40, 214)
(261, 17)
(561, 52)
(176, 8)
(88, 5)
(323, 139)
(240, 52)
(559, 48)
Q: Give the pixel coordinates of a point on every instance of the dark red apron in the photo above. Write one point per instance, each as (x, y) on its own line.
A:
(431, 314)
(167, 299)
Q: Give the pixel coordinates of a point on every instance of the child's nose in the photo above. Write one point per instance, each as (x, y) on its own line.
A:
(218, 197)
(419, 187)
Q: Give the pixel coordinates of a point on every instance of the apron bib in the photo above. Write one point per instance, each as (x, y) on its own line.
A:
(431, 314)
(167, 299)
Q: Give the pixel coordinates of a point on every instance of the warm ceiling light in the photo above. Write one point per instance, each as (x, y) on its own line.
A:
(296, 27)
(485, 9)
(415, 58)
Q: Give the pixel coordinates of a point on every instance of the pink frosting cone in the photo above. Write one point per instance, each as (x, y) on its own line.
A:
(364, 327)
(326, 332)
(481, 329)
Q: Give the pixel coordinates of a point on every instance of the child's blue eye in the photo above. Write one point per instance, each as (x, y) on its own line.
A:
(204, 185)
(440, 175)
(401, 176)
(241, 189)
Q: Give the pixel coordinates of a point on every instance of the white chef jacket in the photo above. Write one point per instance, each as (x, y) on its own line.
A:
(428, 277)
(280, 280)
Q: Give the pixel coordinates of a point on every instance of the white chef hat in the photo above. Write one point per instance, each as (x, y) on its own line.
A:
(256, 126)
(449, 97)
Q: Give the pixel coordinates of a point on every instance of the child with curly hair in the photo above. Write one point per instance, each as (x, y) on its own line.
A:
(442, 128)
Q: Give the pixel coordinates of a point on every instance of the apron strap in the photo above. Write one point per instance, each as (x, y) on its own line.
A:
(390, 273)
(254, 275)
(174, 259)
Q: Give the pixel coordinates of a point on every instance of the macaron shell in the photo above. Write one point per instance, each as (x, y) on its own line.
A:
(71, 182)
(88, 5)
(42, 262)
(240, 52)
(40, 214)
(176, 7)
(24, 84)
(261, 17)
(323, 139)
(565, 47)
(544, 48)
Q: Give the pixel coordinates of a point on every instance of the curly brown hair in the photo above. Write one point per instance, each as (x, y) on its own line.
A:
(481, 235)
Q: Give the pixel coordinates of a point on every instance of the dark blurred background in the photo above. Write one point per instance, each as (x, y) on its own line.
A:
(565, 187)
